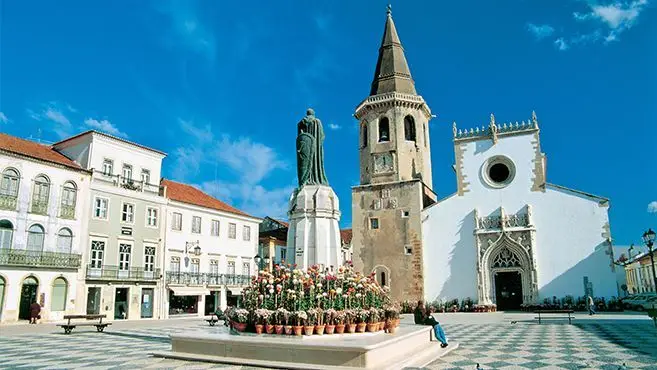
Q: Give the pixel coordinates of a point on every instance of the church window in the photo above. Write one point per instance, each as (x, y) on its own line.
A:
(506, 258)
(409, 128)
(384, 129)
(405, 213)
(408, 250)
(382, 278)
(426, 140)
(498, 171)
(374, 223)
(364, 135)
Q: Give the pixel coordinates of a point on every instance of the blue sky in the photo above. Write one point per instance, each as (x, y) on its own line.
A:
(220, 85)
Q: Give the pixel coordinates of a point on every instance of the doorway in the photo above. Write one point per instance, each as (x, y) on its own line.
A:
(147, 303)
(28, 296)
(2, 295)
(508, 290)
(93, 301)
(211, 302)
(121, 304)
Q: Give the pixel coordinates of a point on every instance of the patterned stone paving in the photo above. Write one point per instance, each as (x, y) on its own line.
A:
(524, 345)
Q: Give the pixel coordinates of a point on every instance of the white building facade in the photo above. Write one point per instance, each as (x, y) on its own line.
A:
(44, 211)
(508, 237)
(122, 264)
(209, 252)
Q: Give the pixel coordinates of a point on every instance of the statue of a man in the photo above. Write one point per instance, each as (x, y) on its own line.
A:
(310, 151)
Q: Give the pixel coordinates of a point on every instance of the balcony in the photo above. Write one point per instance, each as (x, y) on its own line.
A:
(22, 257)
(126, 183)
(39, 208)
(8, 202)
(67, 212)
(107, 272)
(202, 279)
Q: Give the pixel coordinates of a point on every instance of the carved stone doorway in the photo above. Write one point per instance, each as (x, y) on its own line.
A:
(508, 290)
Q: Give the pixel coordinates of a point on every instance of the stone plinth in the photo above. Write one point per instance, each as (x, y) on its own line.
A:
(314, 212)
(408, 347)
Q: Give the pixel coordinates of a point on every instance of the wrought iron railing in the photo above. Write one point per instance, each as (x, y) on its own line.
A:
(8, 202)
(107, 272)
(22, 257)
(67, 212)
(200, 279)
(40, 208)
(127, 183)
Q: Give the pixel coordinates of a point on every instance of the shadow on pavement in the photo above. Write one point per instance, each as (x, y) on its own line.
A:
(148, 338)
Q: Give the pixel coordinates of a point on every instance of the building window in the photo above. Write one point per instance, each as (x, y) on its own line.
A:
(100, 208)
(374, 223)
(408, 250)
(69, 195)
(409, 128)
(215, 228)
(382, 278)
(283, 255)
(9, 189)
(232, 231)
(149, 259)
(124, 257)
(196, 225)
(64, 241)
(97, 250)
(214, 267)
(151, 217)
(384, 129)
(128, 213)
(127, 174)
(246, 268)
(6, 234)
(40, 195)
(426, 139)
(176, 221)
(364, 135)
(231, 268)
(108, 167)
(59, 290)
(174, 265)
(196, 266)
(246, 233)
(145, 177)
(498, 171)
(35, 236)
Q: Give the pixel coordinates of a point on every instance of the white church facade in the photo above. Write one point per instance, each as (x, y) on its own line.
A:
(506, 237)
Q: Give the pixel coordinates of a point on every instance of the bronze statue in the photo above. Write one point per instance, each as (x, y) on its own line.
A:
(310, 151)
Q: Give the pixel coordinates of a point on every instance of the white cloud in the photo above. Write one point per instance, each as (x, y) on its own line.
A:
(186, 28)
(333, 126)
(616, 16)
(3, 118)
(202, 134)
(55, 118)
(652, 207)
(561, 44)
(56, 115)
(540, 31)
(105, 126)
(253, 199)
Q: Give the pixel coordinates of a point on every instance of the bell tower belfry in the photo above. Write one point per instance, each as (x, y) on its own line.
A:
(395, 174)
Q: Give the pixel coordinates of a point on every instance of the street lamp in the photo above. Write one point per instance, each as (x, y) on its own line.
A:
(258, 261)
(649, 240)
(196, 250)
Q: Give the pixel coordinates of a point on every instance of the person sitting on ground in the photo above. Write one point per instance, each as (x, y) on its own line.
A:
(423, 316)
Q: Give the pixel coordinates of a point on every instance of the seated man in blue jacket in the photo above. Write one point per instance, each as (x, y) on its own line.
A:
(423, 316)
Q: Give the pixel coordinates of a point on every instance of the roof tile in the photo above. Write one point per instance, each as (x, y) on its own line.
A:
(188, 194)
(35, 150)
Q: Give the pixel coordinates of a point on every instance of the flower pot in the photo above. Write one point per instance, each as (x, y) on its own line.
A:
(288, 329)
(239, 326)
(269, 329)
(360, 327)
(298, 330)
(308, 329)
(382, 325)
(397, 322)
(392, 330)
(278, 329)
(351, 328)
(259, 328)
(319, 329)
(372, 327)
(339, 329)
(330, 329)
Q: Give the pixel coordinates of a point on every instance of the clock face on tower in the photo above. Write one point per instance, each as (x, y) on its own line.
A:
(383, 162)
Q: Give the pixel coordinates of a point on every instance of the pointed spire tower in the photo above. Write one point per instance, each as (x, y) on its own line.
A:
(392, 73)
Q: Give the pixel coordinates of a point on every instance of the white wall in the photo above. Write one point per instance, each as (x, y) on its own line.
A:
(569, 236)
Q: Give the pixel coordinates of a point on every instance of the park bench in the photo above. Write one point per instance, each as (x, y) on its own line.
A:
(553, 312)
(215, 318)
(100, 325)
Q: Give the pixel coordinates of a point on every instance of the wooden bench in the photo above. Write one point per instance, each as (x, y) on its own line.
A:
(100, 325)
(562, 312)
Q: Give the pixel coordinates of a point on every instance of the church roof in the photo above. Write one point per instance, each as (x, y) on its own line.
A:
(392, 73)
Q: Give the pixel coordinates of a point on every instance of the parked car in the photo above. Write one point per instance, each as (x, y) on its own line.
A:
(650, 303)
(636, 302)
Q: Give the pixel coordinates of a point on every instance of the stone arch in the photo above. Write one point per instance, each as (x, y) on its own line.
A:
(382, 275)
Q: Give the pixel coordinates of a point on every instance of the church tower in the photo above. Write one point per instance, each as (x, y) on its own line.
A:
(395, 174)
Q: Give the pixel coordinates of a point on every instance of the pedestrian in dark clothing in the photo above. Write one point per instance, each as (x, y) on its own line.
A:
(35, 312)
(423, 316)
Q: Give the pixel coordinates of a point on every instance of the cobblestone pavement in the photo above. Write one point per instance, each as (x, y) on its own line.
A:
(491, 341)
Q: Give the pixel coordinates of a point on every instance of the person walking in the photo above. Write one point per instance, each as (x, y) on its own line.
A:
(591, 305)
(35, 312)
(423, 316)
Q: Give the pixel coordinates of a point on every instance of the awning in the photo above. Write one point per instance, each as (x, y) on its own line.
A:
(189, 290)
(235, 291)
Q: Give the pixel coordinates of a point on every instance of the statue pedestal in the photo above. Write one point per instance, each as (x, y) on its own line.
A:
(314, 233)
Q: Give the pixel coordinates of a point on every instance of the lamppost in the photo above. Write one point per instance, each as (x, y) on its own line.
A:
(196, 250)
(258, 261)
(649, 240)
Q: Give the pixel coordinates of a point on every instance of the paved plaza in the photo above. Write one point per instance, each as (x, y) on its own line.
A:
(495, 341)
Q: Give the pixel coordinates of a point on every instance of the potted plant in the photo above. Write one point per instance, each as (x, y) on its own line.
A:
(329, 319)
(381, 314)
(350, 320)
(361, 320)
(261, 319)
(372, 320)
(392, 319)
(299, 318)
(239, 319)
(340, 318)
(282, 316)
(311, 321)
